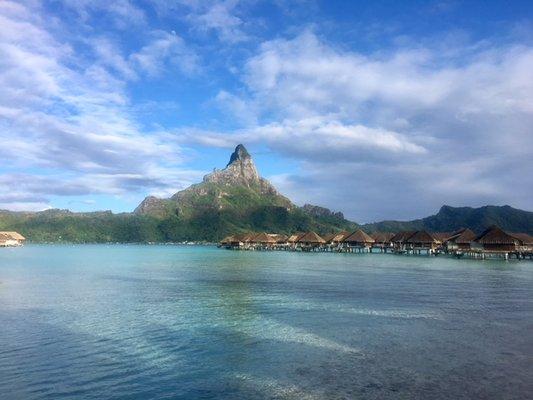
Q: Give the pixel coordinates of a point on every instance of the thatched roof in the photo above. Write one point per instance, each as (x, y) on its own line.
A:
(495, 235)
(227, 240)
(263, 238)
(382, 237)
(294, 237)
(341, 236)
(359, 236)
(11, 236)
(401, 237)
(523, 237)
(311, 237)
(421, 237)
(462, 236)
(329, 237)
(441, 236)
(336, 237)
(279, 237)
(243, 237)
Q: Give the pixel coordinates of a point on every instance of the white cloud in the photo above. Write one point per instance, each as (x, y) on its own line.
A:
(70, 114)
(220, 17)
(319, 138)
(122, 13)
(416, 125)
(165, 47)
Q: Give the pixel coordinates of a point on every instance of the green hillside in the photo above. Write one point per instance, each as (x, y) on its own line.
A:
(207, 224)
(452, 218)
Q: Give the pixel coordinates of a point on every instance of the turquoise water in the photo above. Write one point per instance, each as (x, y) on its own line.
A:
(163, 322)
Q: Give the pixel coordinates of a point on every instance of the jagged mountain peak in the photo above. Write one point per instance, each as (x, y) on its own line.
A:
(240, 170)
(240, 153)
(237, 185)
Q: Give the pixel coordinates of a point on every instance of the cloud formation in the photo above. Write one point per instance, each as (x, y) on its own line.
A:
(69, 114)
(123, 98)
(442, 125)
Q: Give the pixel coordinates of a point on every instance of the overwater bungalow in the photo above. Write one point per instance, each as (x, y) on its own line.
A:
(399, 240)
(292, 240)
(263, 241)
(281, 241)
(459, 240)
(382, 240)
(358, 241)
(422, 241)
(526, 241)
(334, 240)
(441, 236)
(226, 241)
(492, 242)
(310, 241)
(241, 241)
(10, 239)
(496, 240)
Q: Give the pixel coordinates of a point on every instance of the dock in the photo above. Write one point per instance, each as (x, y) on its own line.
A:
(463, 243)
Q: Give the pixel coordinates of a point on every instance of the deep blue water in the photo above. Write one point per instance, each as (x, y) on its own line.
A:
(164, 322)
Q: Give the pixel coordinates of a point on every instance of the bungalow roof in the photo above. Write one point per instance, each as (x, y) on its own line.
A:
(382, 237)
(263, 238)
(422, 237)
(311, 237)
(359, 236)
(402, 236)
(495, 235)
(462, 236)
(523, 237)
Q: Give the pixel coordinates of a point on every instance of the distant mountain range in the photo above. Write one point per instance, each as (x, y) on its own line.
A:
(452, 218)
(232, 200)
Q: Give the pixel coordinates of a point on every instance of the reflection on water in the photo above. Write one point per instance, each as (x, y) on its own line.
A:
(141, 322)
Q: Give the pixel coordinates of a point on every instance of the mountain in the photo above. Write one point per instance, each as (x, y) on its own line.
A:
(451, 218)
(237, 199)
(234, 199)
(237, 187)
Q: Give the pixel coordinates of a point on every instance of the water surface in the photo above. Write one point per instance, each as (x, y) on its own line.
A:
(185, 322)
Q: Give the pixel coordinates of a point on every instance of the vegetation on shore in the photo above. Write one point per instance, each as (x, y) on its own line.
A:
(452, 218)
(233, 200)
(202, 225)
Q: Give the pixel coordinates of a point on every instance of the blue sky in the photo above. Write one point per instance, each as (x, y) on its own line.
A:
(382, 109)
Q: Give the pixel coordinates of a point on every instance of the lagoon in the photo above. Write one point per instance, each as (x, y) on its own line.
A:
(197, 322)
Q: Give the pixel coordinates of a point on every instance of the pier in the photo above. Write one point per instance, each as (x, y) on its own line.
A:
(463, 243)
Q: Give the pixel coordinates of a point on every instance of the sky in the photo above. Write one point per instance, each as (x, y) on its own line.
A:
(381, 109)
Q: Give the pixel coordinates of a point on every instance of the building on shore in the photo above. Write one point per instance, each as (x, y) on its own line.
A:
(10, 239)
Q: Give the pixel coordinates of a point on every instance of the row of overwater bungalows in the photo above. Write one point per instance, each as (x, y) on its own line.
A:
(10, 239)
(492, 242)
